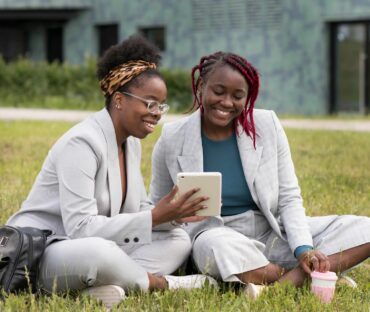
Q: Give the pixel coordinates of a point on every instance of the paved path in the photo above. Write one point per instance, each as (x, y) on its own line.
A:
(75, 116)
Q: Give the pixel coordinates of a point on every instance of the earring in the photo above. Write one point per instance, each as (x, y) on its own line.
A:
(118, 107)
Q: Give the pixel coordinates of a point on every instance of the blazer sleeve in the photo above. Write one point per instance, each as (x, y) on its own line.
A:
(290, 204)
(161, 183)
(76, 167)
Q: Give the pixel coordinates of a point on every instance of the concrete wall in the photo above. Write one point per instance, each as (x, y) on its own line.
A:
(287, 40)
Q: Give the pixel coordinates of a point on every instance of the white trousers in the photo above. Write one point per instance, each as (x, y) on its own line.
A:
(246, 242)
(93, 261)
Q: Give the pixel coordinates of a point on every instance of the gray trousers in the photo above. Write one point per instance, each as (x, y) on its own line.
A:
(93, 261)
(246, 242)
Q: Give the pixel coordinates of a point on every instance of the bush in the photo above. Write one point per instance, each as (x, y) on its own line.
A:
(179, 89)
(26, 83)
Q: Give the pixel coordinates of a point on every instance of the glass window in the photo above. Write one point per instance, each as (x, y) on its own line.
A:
(107, 36)
(157, 35)
(350, 67)
(13, 42)
(54, 44)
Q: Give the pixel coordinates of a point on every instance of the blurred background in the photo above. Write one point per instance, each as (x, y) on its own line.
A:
(312, 54)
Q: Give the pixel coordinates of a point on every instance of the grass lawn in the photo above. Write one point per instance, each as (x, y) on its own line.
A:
(334, 173)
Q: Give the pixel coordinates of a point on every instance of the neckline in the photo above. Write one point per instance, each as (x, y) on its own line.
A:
(229, 138)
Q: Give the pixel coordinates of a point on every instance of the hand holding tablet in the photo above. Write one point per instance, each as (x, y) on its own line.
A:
(210, 186)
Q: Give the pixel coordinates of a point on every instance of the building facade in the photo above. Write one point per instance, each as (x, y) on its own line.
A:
(312, 54)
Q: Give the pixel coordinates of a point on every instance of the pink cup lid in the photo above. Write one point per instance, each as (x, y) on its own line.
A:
(327, 276)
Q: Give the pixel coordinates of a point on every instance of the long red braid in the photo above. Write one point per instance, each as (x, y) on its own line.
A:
(208, 63)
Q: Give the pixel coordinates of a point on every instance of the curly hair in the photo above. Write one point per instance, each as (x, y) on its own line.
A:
(205, 67)
(133, 48)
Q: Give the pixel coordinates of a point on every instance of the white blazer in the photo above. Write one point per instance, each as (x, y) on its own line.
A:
(78, 191)
(268, 170)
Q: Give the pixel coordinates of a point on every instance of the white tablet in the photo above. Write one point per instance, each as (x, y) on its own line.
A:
(209, 184)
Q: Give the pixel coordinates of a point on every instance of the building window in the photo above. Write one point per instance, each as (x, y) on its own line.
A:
(156, 35)
(13, 42)
(350, 67)
(108, 36)
(54, 44)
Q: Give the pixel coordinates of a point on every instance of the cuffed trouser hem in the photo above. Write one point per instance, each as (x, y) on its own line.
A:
(223, 253)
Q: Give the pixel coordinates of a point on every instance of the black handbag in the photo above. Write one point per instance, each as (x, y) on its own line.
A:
(21, 249)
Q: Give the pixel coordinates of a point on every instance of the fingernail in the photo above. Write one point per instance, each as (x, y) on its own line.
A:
(204, 207)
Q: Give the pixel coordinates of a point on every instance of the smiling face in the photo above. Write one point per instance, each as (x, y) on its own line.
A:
(224, 95)
(130, 115)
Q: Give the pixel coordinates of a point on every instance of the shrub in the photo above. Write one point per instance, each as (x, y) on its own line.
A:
(26, 83)
(179, 89)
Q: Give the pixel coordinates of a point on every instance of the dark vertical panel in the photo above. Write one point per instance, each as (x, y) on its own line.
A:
(108, 36)
(13, 41)
(156, 35)
(54, 44)
(332, 71)
(367, 72)
(350, 66)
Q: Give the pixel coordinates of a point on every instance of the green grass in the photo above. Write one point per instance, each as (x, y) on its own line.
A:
(334, 173)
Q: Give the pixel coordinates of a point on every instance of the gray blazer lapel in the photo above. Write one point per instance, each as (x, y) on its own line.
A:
(250, 159)
(114, 177)
(131, 190)
(192, 152)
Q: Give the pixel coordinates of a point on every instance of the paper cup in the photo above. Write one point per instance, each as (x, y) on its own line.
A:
(323, 285)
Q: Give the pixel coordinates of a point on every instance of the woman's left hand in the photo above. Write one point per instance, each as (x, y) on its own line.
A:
(314, 260)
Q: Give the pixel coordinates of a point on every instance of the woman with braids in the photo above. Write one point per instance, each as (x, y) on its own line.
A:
(91, 195)
(262, 235)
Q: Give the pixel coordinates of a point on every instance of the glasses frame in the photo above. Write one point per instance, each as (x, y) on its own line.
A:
(162, 108)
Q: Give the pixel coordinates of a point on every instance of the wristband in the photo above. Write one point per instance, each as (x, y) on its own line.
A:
(301, 249)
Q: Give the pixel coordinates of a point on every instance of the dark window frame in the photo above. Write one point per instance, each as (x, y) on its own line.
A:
(23, 43)
(55, 35)
(155, 34)
(108, 35)
(333, 28)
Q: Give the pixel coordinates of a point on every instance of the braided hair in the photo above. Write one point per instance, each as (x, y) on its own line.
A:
(207, 64)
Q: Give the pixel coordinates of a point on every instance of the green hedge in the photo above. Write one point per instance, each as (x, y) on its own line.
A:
(26, 83)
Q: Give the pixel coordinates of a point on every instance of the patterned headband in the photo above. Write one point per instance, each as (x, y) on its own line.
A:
(122, 74)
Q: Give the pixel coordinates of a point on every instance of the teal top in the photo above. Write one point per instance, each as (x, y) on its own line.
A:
(223, 156)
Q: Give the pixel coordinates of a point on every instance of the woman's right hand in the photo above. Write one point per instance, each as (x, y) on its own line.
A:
(169, 208)
(314, 260)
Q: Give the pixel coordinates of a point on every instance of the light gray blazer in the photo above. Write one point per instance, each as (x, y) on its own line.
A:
(268, 170)
(78, 190)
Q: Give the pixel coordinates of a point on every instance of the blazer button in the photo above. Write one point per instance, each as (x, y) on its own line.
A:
(136, 239)
(127, 240)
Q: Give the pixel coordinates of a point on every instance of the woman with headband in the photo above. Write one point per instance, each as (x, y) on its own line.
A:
(263, 235)
(107, 237)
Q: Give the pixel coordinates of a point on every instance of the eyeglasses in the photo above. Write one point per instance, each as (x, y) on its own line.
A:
(153, 107)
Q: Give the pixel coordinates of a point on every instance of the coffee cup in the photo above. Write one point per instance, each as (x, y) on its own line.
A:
(323, 285)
